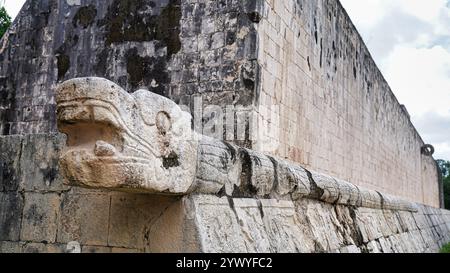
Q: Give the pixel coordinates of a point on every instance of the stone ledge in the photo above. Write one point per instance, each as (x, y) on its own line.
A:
(103, 221)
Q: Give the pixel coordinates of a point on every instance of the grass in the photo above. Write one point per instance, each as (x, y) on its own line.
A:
(446, 249)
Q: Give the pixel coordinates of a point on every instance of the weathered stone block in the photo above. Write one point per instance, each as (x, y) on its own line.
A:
(325, 226)
(43, 248)
(40, 155)
(84, 217)
(350, 249)
(131, 217)
(392, 222)
(40, 217)
(385, 245)
(10, 247)
(285, 230)
(10, 168)
(214, 214)
(246, 225)
(124, 250)
(175, 231)
(369, 224)
(11, 206)
(95, 249)
(406, 221)
(373, 247)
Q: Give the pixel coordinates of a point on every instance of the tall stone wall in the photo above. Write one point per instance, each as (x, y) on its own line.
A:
(179, 49)
(337, 116)
(39, 213)
(336, 112)
(299, 66)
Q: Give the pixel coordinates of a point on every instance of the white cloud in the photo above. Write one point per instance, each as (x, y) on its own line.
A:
(436, 130)
(437, 126)
(428, 10)
(13, 7)
(442, 151)
(410, 41)
(370, 12)
(420, 78)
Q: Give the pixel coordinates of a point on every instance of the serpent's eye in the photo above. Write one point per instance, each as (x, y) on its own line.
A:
(163, 122)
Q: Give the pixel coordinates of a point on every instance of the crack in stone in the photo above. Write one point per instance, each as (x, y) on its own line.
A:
(316, 191)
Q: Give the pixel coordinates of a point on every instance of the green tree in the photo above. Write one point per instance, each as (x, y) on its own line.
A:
(5, 21)
(445, 169)
(447, 192)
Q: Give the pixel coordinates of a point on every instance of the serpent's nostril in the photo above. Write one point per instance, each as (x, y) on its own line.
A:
(104, 149)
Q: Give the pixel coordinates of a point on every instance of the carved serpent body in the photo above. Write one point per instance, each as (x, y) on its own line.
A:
(143, 142)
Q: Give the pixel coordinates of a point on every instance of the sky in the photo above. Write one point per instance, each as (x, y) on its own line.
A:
(410, 42)
(12, 6)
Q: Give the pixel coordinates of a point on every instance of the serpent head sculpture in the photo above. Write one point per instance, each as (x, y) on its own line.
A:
(133, 142)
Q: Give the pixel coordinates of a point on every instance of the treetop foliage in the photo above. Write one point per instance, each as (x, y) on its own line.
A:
(5, 21)
(445, 169)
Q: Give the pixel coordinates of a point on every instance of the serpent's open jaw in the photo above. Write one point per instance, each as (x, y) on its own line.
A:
(98, 144)
(101, 137)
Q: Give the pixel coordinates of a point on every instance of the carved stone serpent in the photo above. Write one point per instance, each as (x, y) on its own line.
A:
(143, 142)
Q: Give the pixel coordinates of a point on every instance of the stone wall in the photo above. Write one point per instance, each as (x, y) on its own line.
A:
(337, 114)
(38, 213)
(337, 117)
(299, 66)
(309, 226)
(179, 49)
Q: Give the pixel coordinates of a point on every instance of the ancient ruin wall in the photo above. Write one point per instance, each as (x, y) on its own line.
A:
(336, 112)
(51, 41)
(243, 200)
(39, 213)
(179, 49)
